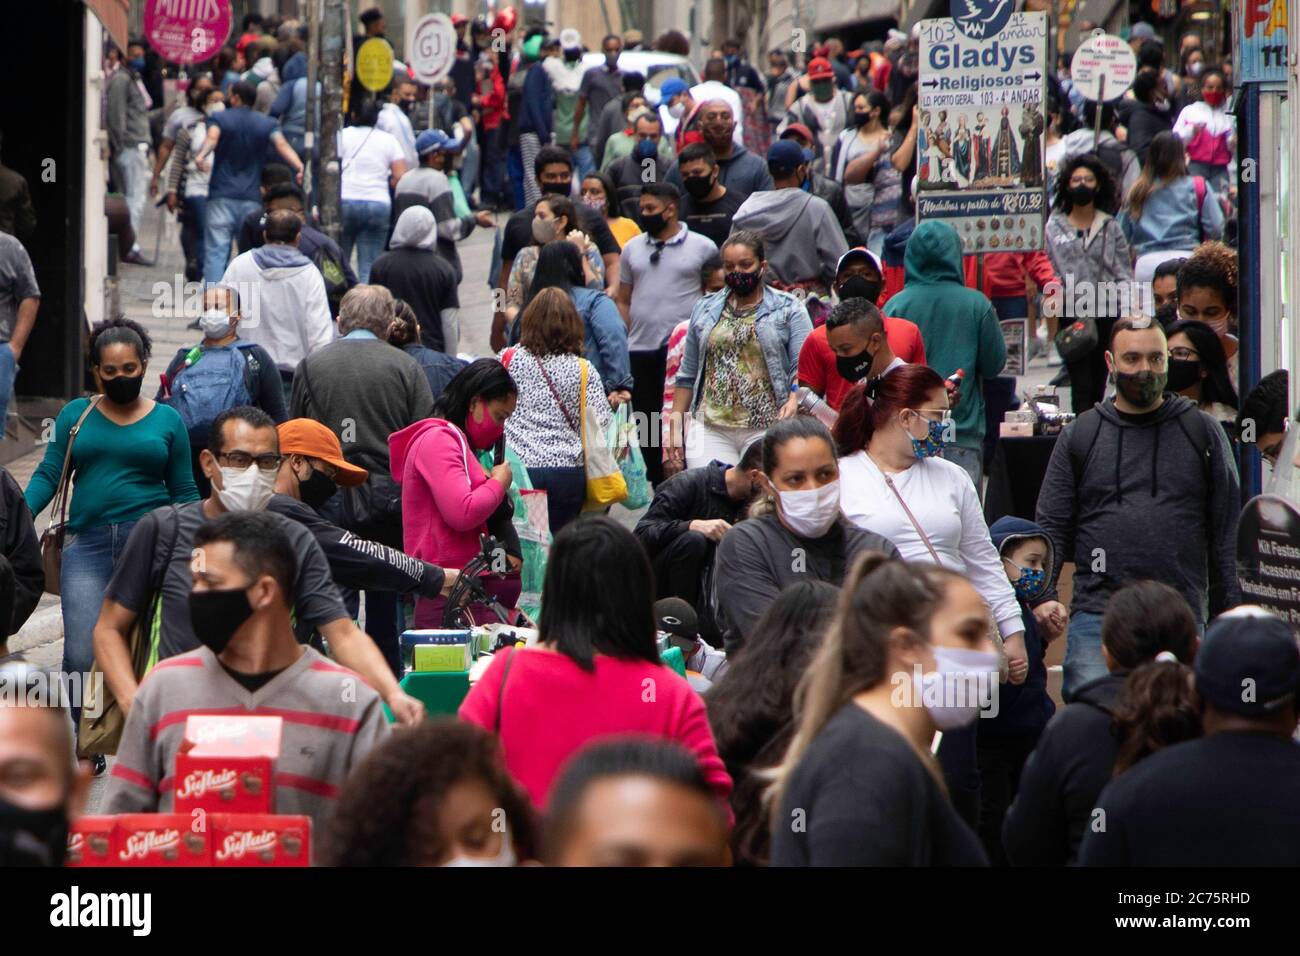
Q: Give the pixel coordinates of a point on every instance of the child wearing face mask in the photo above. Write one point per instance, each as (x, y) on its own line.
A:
(1005, 740)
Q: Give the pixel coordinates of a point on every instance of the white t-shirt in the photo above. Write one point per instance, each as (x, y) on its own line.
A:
(942, 497)
(701, 93)
(366, 155)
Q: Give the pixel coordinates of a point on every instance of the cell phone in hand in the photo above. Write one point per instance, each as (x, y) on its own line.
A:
(499, 451)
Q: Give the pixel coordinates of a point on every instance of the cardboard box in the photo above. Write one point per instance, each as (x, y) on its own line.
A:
(90, 842)
(158, 839)
(1016, 430)
(257, 839)
(226, 764)
(441, 657)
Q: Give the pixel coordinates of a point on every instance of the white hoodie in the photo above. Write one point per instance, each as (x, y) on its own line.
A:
(283, 302)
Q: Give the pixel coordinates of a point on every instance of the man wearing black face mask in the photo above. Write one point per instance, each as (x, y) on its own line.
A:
(708, 206)
(853, 347)
(310, 475)
(249, 661)
(41, 789)
(1140, 486)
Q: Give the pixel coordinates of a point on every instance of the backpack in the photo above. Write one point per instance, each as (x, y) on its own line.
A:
(331, 269)
(1087, 426)
(1115, 157)
(221, 378)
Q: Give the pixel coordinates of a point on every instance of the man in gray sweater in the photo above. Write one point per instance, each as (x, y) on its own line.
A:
(364, 389)
(127, 119)
(250, 662)
(1142, 486)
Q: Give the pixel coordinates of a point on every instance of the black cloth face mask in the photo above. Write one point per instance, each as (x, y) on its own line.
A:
(215, 616)
(32, 837)
(316, 489)
(854, 368)
(860, 287)
(123, 389)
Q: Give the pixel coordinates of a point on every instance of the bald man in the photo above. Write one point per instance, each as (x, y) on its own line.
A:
(41, 788)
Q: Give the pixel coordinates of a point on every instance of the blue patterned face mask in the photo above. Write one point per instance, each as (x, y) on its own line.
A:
(1029, 583)
(931, 444)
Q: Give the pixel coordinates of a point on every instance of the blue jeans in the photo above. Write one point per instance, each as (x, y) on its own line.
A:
(566, 492)
(365, 226)
(515, 173)
(89, 558)
(8, 372)
(876, 240)
(1083, 661)
(194, 218)
(968, 458)
(224, 217)
(583, 161)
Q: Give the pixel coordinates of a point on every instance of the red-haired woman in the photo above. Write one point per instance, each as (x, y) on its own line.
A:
(893, 481)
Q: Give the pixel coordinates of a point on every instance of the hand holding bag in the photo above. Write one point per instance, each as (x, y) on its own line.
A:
(52, 536)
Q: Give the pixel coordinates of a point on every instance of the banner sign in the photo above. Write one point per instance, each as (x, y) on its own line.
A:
(1261, 51)
(982, 117)
(187, 31)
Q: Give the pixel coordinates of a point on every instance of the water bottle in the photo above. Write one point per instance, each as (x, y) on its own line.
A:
(811, 403)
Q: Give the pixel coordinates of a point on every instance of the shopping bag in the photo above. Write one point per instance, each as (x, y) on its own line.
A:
(627, 452)
(605, 484)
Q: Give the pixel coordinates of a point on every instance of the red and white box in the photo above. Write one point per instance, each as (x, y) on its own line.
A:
(158, 839)
(226, 764)
(260, 839)
(90, 841)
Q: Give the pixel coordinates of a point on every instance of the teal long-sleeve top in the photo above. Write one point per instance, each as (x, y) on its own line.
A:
(120, 472)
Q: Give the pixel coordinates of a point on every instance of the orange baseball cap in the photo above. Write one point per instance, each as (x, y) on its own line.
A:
(311, 439)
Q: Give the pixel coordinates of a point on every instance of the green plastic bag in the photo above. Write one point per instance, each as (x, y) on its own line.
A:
(459, 204)
(532, 523)
(627, 453)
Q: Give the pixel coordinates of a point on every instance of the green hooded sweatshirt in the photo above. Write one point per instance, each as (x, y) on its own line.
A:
(958, 325)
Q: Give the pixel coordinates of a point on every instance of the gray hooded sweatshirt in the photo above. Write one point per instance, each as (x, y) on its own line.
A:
(1143, 503)
(804, 240)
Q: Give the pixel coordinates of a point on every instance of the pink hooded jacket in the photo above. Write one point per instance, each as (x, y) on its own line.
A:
(447, 497)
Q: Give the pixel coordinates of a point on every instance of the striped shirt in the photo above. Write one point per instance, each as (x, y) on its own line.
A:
(331, 720)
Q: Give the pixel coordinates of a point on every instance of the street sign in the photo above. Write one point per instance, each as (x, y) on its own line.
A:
(1261, 53)
(1103, 67)
(980, 142)
(375, 64)
(431, 49)
(187, 31)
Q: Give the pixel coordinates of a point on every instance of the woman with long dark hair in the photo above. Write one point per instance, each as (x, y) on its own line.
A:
(554, 220)
(1085, 242)
(447, 497)
(1168, 212)
(896, 484)
(750, 707)
(1198, 369)
(595, 670)
(908, 655)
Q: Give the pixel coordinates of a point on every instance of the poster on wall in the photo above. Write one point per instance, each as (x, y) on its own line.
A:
(1268, 556)
(982, 121)
(1261, 54)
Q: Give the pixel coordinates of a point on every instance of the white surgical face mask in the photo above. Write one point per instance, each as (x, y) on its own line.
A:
(246, 490)
(505, 856)
(811, 513)
(952, 693)
(215, 324)
(677, 110)
(213, 109)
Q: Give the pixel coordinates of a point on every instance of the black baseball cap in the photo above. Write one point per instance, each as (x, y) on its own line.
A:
(676, 617)
(1248, 664)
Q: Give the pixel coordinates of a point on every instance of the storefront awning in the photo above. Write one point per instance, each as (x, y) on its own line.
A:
(115, 16)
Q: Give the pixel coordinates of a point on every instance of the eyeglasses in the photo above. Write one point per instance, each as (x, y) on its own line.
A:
(242, 459)
(1184, 354)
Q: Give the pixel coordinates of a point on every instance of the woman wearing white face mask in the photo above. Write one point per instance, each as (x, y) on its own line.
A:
(896, 484)
(908, 655)
(437, 795)
(199, 382)
(795, 532)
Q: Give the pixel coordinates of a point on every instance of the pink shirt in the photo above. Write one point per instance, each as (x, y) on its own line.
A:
(553, 708)
(446, 496)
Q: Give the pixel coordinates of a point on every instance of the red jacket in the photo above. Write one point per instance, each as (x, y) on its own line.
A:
(1004, 272)
(492, 106)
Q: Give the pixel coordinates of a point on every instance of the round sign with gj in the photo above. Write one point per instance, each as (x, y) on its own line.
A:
(432, 47)
(187, 31)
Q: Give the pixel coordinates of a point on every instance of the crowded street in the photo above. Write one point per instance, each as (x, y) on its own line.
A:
(446, 433)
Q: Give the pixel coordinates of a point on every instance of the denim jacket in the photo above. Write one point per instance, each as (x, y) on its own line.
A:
(781, 324)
